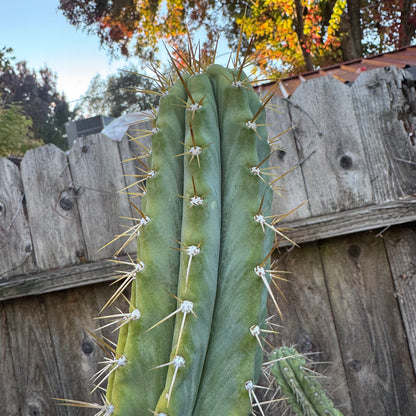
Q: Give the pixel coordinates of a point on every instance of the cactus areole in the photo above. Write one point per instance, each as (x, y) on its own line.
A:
(205, 236)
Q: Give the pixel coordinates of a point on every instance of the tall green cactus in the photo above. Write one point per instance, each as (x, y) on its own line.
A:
(303, 391)
(190, 343)
(204, 246)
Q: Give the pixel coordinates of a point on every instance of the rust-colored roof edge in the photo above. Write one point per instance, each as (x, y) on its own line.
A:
(339, 65)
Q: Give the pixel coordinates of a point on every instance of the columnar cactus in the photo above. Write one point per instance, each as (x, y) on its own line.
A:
(203, 252)
(303, 391)
(190, 343)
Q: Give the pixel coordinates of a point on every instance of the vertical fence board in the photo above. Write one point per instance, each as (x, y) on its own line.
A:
(33, 356)
(400, 242)
(384, 104)
(284, 159)
(52, 209)
(9, 403)
(335, 172)
(307, 318)
(98, 176)
(70, 315)
(15, 240)
(370, 332)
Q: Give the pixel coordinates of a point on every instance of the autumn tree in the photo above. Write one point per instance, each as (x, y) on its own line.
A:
(294, 35)
(291, 35)
(136, 27)
(387, 25)
(117, 94)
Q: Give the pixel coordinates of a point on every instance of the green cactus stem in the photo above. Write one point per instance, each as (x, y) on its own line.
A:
(190, 343)
(204, 245)
(302, 389)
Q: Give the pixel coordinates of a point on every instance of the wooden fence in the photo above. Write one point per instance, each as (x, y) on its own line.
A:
(351, 295)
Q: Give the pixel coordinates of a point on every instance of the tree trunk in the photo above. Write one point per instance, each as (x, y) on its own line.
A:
(407, 23)
(299, 26)
(351, 33)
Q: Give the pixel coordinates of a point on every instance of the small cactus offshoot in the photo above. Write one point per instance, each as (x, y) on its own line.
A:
(303, 391)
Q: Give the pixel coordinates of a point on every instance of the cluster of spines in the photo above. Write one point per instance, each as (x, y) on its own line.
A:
(204, 181)
(300, 385)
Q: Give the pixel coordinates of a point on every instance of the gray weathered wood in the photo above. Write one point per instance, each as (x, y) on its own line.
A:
(384, 101)
(70, 316)
(98, 177)
(60, 279)
(15, 242)
(368, 325)
(8, 391)
(302, 231)
(33, 357)
(307, 321)
(383, 216)
(52, 208)
(400, 245)
(52, 353)
(284, 158)
(335, 172)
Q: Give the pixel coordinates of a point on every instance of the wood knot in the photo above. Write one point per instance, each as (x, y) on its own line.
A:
(87, 346)
(34, 410)
(354, 365)
(345, 162)
(65, 203)
(2, 208)
(281, 154)
(354, 251)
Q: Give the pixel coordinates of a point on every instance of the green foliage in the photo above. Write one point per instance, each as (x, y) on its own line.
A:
(36, 92)
(15, 136)
(303, 391)
(6, 58)
(116, 95)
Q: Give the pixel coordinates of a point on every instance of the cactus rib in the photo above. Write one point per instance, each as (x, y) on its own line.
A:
(304, 393)
(204, 246)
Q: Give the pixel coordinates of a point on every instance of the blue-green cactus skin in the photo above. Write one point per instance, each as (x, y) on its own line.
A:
(206, 244)
(303, 391)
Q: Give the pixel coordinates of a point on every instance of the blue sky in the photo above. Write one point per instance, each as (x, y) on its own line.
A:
(40, 35)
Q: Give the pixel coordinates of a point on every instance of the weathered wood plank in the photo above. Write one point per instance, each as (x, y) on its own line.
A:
(15, 240)
(368, 324)
(347, 222)
(335, 172)
(307, 318)
(98, 177)
(8, 392)
(70, 316)
(400, 245)
(302, 231)
(384, 101)
(52, 208)
(56, 355)
(33, 357)
(284, 158)
(59, 279)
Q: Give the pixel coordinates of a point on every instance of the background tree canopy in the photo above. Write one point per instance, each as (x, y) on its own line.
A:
(36, 97)
(15, 135)
(291, 35)
(117, 94)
